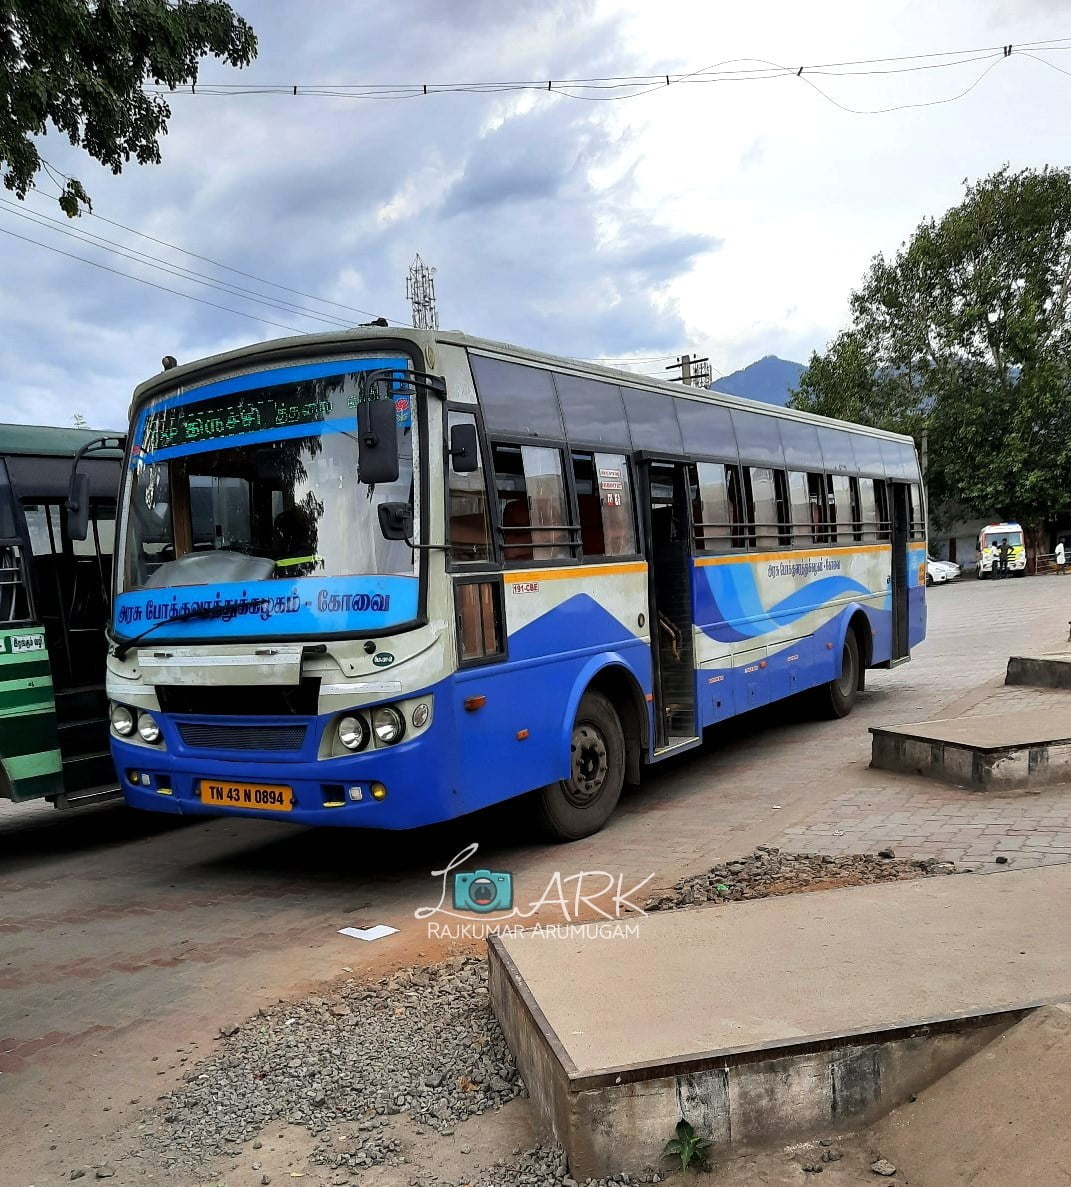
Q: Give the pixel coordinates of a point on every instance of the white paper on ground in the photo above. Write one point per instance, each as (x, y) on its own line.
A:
(368, 933)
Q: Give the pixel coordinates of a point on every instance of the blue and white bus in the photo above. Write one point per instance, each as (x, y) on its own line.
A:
(387, 577)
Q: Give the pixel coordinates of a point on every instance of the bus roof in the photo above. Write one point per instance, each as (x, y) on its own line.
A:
(47, 440)
(284, 348)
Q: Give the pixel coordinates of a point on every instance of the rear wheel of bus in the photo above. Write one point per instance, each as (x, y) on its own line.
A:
(838, 697)
(581, 804)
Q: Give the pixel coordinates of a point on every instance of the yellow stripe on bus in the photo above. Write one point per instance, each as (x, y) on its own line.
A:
(790, 554)
(578, 571)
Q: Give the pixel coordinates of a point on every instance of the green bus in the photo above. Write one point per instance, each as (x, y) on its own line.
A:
(55, 594)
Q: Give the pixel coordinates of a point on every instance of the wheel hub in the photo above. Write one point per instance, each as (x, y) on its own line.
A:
(589, 767)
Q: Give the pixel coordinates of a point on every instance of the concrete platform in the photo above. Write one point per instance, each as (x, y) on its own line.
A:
(783, 1018)
(1040, 671)
(1006, 752)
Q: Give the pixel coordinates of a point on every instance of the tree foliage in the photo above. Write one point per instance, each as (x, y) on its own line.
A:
(79, 66)
(966, 332)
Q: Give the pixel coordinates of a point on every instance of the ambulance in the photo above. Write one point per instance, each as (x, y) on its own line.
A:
(989, 541)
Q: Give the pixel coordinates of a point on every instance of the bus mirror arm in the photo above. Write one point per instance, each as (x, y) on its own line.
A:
(77, 506)
(396, 523)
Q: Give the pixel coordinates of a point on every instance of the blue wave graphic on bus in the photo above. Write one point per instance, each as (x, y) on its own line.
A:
(735, 611)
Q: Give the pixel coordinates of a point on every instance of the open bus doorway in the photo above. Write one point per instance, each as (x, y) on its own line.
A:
(669, 557)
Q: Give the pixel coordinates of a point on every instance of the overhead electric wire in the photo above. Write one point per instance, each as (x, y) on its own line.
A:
(50, 224)
(642, 84)
(239, 272)
(151, 283)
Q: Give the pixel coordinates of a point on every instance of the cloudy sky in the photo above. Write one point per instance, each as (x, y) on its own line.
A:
(724, 218)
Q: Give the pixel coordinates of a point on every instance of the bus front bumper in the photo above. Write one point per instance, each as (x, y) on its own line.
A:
(395, 788)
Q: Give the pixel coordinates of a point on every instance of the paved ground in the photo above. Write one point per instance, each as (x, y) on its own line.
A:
(126, 940)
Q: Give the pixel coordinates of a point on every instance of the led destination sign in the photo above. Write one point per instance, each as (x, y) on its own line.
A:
(307, 403)
(261, 411)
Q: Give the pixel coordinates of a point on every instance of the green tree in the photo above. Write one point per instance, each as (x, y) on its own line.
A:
(966, 332)
(80, 66)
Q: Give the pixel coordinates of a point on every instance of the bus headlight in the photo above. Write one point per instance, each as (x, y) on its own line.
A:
(122, 720)
(148, 729)
(420, 715)
(389, 724)
(353, 733)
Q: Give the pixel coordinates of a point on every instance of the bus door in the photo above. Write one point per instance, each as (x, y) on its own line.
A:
(668, 535)
(901, 526)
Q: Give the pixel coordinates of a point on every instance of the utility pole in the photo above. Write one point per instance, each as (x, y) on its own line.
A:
(693, 372)
(420, 289)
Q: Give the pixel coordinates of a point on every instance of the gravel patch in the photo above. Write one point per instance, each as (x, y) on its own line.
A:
(542, 1166)
(422, 1042)
(770, 871)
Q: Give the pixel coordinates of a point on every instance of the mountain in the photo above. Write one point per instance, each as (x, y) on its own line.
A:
(771, 380)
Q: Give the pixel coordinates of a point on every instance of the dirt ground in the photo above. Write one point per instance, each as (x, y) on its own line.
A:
(128, 940)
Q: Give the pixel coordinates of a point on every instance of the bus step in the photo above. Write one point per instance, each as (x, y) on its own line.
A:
(676, 746)
(105, 794)
(87, 770)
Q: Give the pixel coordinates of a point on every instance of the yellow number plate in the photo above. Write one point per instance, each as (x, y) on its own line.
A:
(270, 797)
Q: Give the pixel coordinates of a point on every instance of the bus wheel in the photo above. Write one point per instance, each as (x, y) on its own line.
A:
(838, 697)
(581, 804)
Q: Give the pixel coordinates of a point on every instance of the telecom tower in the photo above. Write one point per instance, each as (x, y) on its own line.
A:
(420, 289)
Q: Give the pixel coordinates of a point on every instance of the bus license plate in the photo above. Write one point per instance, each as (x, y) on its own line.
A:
(270, 797)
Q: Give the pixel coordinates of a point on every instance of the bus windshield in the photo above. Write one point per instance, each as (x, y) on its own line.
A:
(256, 487)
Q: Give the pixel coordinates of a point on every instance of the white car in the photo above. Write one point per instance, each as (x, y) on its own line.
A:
(938, 572)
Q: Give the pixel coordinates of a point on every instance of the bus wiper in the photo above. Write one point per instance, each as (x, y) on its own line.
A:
(121, 649)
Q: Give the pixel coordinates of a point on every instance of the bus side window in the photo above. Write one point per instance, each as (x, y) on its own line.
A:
(531, 498)
(868, 510)
(857, 515)
(469, 530)
(604, 500)
(881, 490)
(816, 494)
(719, 527)
(841, 510)
(800, 503)
(766, 511)
(916, 515)
(738, 511)
(479, 620)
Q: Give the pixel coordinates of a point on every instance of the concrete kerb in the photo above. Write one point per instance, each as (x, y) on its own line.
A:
(615, 1116)
(1040, 671)
(1007, 752)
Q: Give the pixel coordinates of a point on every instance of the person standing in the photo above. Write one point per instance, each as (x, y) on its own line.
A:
(1060, 557)
(1002, 555)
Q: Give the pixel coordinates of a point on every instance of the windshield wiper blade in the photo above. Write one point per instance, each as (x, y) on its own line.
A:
(122, 648)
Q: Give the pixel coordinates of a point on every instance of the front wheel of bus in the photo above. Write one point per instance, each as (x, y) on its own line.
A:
(838, 697)
(581, 804)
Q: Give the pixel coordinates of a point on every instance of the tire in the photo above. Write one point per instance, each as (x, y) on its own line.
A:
(581, 804)
(929, 579)
(838, 697)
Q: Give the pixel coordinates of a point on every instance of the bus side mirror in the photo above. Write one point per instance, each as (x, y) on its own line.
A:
(396, 521)
(464, 449)
(78, 506)
(377, 441)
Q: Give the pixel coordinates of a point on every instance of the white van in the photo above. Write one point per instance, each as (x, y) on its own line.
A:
(989, 541)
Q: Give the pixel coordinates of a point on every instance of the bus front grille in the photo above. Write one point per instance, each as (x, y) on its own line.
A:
(205, 736)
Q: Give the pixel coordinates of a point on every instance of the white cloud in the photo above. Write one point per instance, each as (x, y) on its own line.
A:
(729, 218)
